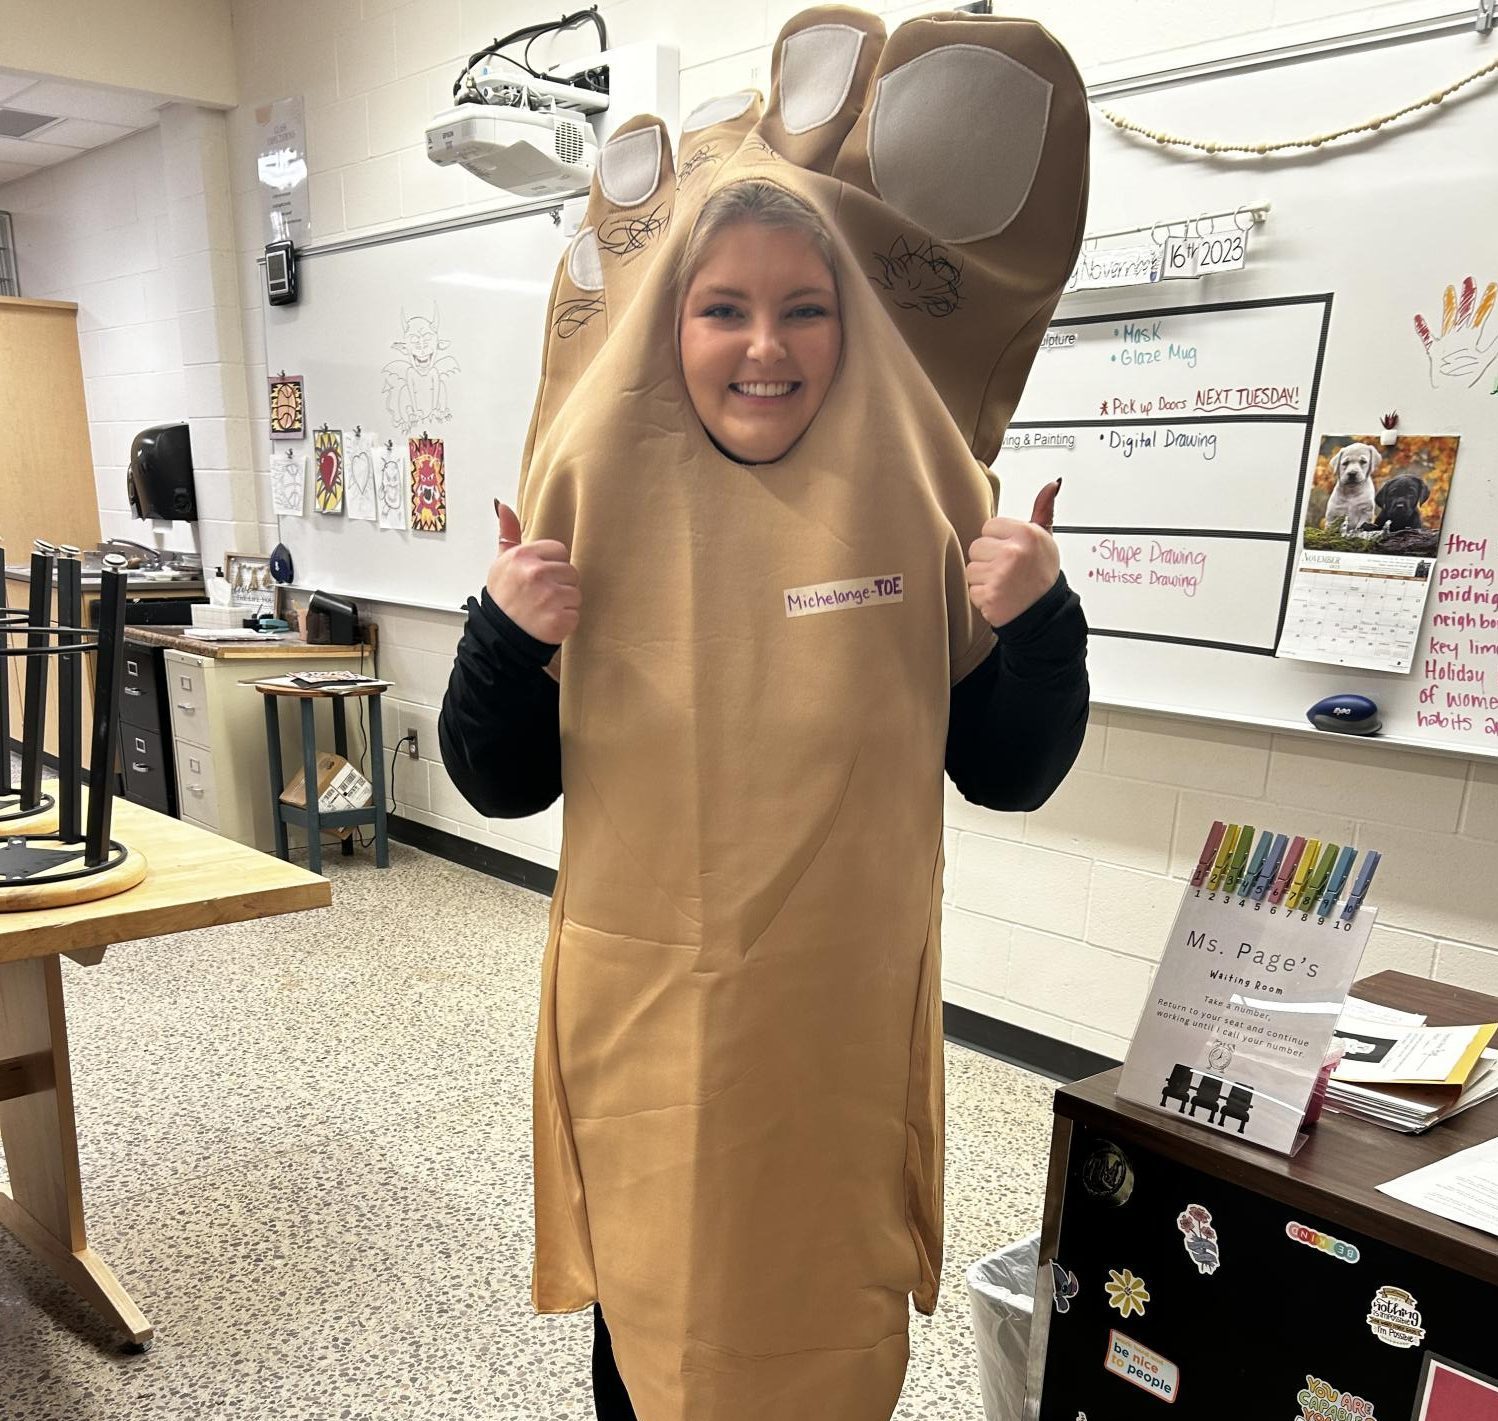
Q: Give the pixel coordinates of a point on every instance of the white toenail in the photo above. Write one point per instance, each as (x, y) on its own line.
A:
(718, 110)
(816, 72)
(583, 263)
(961, 169)
(630, 166)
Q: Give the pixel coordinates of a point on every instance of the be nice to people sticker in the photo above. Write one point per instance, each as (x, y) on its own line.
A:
(1146, 1369)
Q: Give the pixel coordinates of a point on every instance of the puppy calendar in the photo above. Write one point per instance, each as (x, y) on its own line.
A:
(1369, 539)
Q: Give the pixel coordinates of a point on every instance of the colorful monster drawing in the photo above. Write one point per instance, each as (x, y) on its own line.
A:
(416, 385)
(428, 486)
(327, 447)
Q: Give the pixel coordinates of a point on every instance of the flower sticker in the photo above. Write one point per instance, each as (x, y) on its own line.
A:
(1200, 1238)
(1126, 1292)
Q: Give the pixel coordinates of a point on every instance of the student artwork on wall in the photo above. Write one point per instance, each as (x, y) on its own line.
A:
(327, 447)
(359, 476)
(288, 481)
(417, 382)
(288, 414)
(395, 510)
(428, 485)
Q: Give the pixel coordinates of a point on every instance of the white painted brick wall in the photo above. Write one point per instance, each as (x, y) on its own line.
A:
(1052, 919)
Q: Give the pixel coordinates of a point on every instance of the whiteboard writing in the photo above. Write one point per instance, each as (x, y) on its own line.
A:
(1182, 435)
(1458, 671)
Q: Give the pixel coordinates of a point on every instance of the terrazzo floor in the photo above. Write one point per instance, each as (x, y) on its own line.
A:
(305, 1151)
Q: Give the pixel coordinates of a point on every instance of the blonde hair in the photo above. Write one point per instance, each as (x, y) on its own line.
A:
(752, 200)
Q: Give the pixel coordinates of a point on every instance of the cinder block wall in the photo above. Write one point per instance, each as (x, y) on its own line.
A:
(1053, 919)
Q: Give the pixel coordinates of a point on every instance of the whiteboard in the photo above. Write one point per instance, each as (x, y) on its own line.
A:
(1315, 336)
(476, 294)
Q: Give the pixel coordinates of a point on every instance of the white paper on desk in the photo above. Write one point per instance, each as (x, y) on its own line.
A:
(1374, 1011)
(1462, 1187)
(238, 634)
(1422, 1054)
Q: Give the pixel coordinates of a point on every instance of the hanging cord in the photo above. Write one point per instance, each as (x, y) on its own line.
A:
(1171, 140)
(465, 91)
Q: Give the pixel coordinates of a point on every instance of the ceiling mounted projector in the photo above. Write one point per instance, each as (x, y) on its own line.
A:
(525, 151)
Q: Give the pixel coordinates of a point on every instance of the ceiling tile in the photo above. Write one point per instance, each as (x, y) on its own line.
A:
(12, 84)
(83, 133)
(124, 106)
(29, 150)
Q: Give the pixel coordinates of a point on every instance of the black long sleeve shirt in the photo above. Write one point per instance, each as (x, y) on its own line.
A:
(1015, 728)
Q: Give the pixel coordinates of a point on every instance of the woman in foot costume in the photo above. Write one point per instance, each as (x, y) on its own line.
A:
(767, 663)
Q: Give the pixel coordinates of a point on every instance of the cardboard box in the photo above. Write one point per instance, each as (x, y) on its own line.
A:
(339, 786)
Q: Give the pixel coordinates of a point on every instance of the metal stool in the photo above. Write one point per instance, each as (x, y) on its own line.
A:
(311, 818)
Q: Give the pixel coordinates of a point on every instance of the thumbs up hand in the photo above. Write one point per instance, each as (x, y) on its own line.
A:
(534, 584)
(1013, 564)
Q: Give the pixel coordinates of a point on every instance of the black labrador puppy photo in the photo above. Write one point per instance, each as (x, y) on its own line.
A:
(1398, 501)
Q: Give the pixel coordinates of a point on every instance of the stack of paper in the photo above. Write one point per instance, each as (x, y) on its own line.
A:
(1407, 1076)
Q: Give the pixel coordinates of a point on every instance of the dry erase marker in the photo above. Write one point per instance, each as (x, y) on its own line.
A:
(1224, 854)
(1240, 853)
(1209, 851)
(1316, 883)
(1338, 878)
(1269, 867)
(1251, 873)
(1303, 871)
(1287, 869)
(1360, 890)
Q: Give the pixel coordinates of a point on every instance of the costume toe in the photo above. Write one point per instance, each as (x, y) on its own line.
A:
(711, 134)
(968, 186)
(629, 210)
(819, 80)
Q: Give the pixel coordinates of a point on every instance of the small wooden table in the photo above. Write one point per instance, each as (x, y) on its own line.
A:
(194, 879)
(311, 818)
(1307, 1244)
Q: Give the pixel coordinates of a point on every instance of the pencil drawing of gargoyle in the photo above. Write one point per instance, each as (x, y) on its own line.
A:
(416, 384)
(923, 277)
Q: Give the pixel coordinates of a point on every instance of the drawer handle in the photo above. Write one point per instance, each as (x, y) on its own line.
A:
(134, 691)
(139, 766)
(196, 789)
(191, 710)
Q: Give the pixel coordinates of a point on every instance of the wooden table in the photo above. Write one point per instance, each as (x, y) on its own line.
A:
(195, 879)
(1275, 1305)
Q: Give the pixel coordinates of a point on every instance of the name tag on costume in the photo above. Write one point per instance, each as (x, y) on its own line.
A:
(843, 596)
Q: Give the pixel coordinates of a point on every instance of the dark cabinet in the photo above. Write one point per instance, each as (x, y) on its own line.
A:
(146, 761)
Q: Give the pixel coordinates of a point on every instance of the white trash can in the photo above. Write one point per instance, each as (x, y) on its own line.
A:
(1001, 1289)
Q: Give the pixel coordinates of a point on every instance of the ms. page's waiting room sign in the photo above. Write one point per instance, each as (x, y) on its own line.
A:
(1240, 1014)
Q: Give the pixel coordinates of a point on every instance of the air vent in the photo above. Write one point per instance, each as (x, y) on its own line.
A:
(569, 142)
(17, 123)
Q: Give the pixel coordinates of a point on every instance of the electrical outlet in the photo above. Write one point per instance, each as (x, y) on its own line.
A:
(412, 751)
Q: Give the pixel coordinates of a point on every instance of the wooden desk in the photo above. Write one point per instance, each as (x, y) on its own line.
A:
(195, 879)
(1246, 1336)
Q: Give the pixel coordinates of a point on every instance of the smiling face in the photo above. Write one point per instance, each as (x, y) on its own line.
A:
(760, 337)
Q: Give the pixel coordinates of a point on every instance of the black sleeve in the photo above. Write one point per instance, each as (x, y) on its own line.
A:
(499, 729)
(1017, 719)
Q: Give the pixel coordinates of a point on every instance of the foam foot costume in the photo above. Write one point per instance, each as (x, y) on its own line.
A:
(738, 1090)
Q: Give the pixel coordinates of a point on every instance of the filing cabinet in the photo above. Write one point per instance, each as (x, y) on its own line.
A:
(146, 759)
